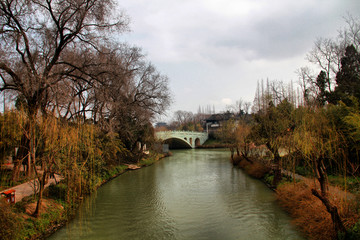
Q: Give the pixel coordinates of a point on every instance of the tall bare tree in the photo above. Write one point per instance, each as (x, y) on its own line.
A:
(34, 35)
(327, 54)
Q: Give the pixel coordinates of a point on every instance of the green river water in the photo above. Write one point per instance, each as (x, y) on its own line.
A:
(195, 194)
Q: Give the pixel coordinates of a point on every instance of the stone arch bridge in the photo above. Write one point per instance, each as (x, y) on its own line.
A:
(182, 139)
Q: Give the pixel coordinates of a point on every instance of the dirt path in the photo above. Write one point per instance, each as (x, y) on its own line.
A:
(292, 175)
(27, 189)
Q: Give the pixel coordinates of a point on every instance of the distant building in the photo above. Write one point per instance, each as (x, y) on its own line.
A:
(215, 121)
(161, 124)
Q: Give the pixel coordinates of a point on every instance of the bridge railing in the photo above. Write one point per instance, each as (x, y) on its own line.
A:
(165, 134)
(188, 136)
(187, 132)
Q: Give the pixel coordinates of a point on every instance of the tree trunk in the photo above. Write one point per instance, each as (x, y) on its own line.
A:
(276, 162)
(322, 177)
(332, 209)
(16, 169)
(245, 155)
(42, 181)
(232, 154)
(28, 170)
(32, 146)
(277, 170)
(335, 217)
(20, 157)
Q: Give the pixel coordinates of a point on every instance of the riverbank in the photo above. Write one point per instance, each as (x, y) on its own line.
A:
(308, 212)
(213, 143)
(195, 194)
(17, 222)
(210, 146)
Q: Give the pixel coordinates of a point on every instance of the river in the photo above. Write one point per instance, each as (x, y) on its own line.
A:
(195, 194)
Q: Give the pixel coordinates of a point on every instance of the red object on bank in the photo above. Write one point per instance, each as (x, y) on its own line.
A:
(9, 195)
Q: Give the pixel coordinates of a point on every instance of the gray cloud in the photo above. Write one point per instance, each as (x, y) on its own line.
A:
(200, 43)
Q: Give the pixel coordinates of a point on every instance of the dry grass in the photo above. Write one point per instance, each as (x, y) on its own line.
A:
(310, 214)
(45, 205)
(244, 164)
(255, 169)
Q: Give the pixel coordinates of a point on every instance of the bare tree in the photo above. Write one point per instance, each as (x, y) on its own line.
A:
(327, 54)
(183, 117)
(128, 92)
(247, 106)
(350, 35)
(240, 107)
(306, 82)
(34, 35)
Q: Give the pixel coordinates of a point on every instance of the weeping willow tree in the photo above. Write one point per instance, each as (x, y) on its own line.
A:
(77, 151)
(12, 124)
(353, 129)
(242, 139)
(70, 166)
(272, 126)
(51, 146)
(76, 155)
(320, 144)
(57, 149)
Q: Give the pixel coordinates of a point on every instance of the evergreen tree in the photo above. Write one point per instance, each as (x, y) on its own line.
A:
(348, 78)
(321, 83)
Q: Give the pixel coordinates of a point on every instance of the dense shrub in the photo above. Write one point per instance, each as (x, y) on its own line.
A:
(303, 171)
(9, 222)
(57, 191)
(269, 179)
(348, 183)
(354, 232)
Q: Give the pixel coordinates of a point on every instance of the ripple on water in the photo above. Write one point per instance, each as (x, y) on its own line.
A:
(195, 194)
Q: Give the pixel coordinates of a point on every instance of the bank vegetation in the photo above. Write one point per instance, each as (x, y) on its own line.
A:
(313, 137)
(77, 102)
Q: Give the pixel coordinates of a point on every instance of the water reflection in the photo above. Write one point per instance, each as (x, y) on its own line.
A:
(195, 194)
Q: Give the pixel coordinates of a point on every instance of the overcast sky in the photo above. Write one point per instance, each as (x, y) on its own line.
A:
(215, 51)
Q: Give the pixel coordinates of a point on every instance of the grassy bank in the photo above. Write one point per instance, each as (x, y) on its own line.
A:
(17, 222)
(308, 212)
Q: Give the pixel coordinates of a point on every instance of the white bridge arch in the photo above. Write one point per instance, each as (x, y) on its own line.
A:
(187, 138)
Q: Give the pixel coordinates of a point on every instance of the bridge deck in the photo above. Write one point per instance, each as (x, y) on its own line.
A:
(191, 138)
